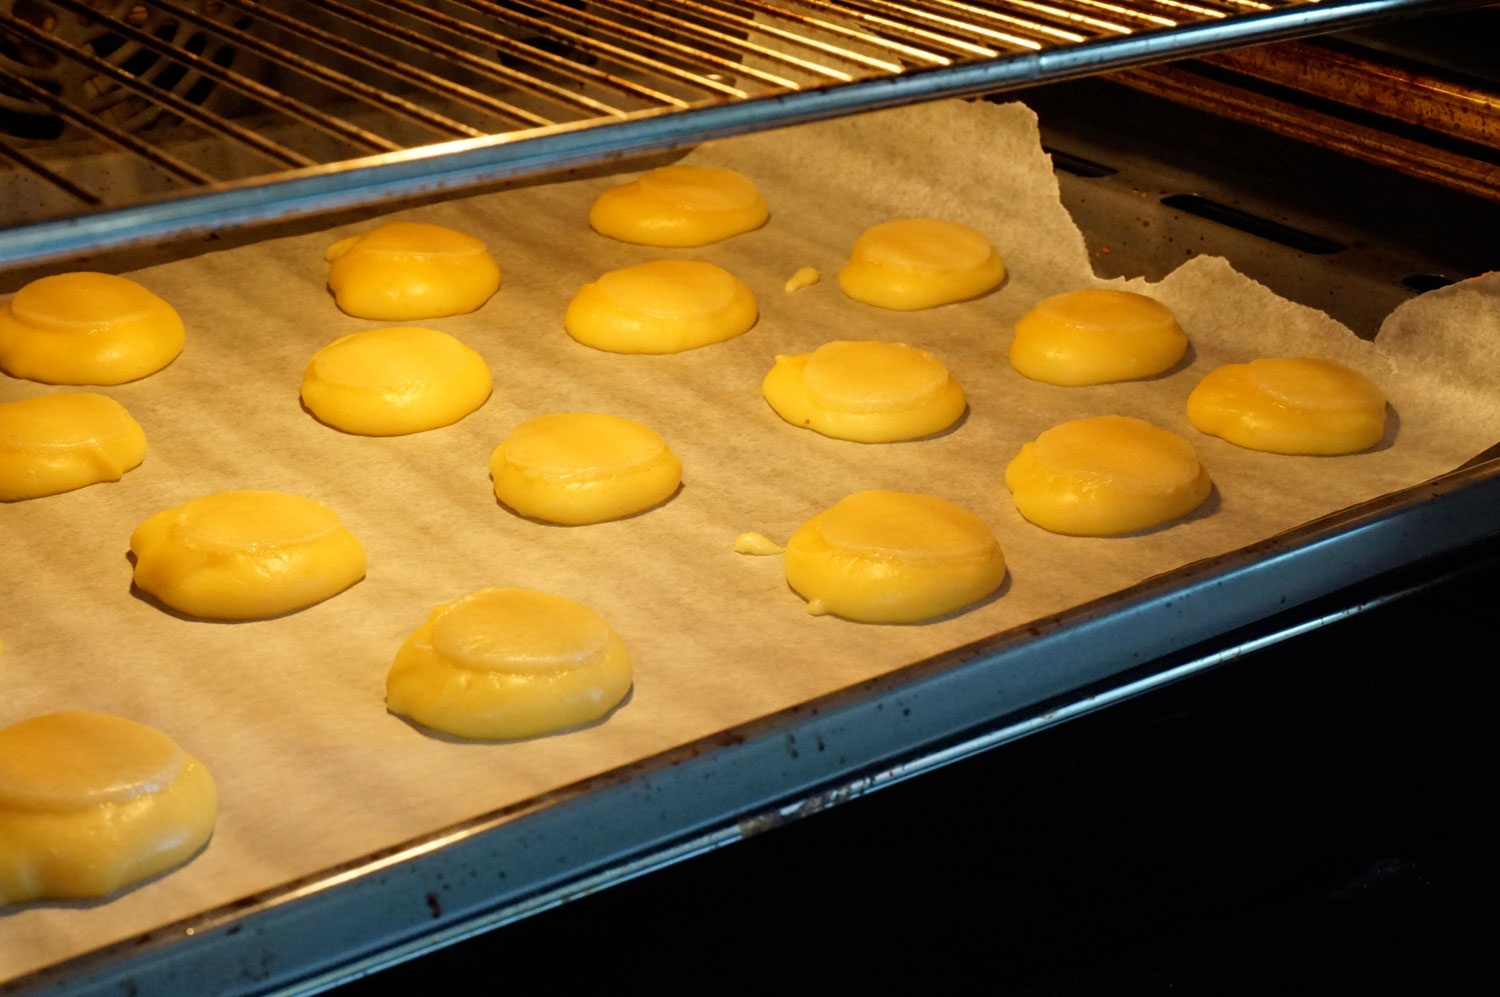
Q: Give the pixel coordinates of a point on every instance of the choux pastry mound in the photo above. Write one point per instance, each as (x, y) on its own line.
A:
(509, 663)
(87, 328)
(245, 555)
(579, 468)
(1106, 476)
(918, 263)
(679, 207)
(865, 391)
(388, 382)
(91, 803)
(893, 557)
(1096, 336)
(1290, 405)
(666, 306)
(410, 270)
(56, 443)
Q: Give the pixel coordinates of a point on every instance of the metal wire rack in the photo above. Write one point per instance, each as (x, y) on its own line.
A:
(125, 121)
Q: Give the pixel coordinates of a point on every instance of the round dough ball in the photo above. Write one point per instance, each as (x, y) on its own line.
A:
(509, 663)
(679, 206)
(55, 443)
(388, 382)
(91, 803)
(245, 555)
(87, 328)
(893, 557)
(410, 270)
(1105, 476)
(579, 468)
(917, 263)
(865, 391)
(1290, 405)
(662, 307)
(1096, 336)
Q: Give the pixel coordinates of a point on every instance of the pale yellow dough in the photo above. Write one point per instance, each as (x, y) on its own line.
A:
(865, 391)
(245, 555)
(509, 663)
(1290, 405)
(1105, 476)
(679, 207)
(893, 557)
(917, 263)
(662, 307)
(87, 328)
(1096, 336)
(55, 443)
(388, 382)
(91, 803)
(578, 468)
(410, 270)
(804, 277)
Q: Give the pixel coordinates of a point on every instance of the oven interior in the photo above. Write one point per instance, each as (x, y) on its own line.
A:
(1270, 157)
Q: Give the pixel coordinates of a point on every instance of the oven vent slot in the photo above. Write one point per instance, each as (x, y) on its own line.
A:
(1226, 214)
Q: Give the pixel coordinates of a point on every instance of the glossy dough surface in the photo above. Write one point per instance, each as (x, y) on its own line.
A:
(245, 555)
(509, 663)
(577, 468)
(55, 443)
(1105, 476)
(865, 391)
(666, 306)
(87, 328)
(410, 270)
(1290, 405)
(917, 263)
(893, 557)
(387, 382)
(1096, 336)
(679, 206)
(90, 803)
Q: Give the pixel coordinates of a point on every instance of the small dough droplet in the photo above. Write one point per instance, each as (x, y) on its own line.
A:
(758, 544)
(804, 277)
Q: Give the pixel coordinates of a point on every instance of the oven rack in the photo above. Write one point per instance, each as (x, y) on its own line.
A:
(126, 122)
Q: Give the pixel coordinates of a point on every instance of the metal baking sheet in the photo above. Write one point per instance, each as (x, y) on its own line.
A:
(735, 716)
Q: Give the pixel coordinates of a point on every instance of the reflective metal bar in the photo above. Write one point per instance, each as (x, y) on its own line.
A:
(573, 69)
(886, 27)
(164, 98)
(387, 64)
(915, 19)
(238, 81)
(737, 24)
(488, 67)
(1125, 16)
(559, 13)
(171, 165)
(341, 82)
(48, 174)
(1445, 106)
(453, 165)
(981, 15)
(823, 26)
(1370, 144)
(607, 50)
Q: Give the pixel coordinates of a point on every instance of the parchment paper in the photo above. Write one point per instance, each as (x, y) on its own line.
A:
(288, 714)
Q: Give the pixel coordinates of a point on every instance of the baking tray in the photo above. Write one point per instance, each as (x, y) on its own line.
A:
(393, 905)
(538, 852)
